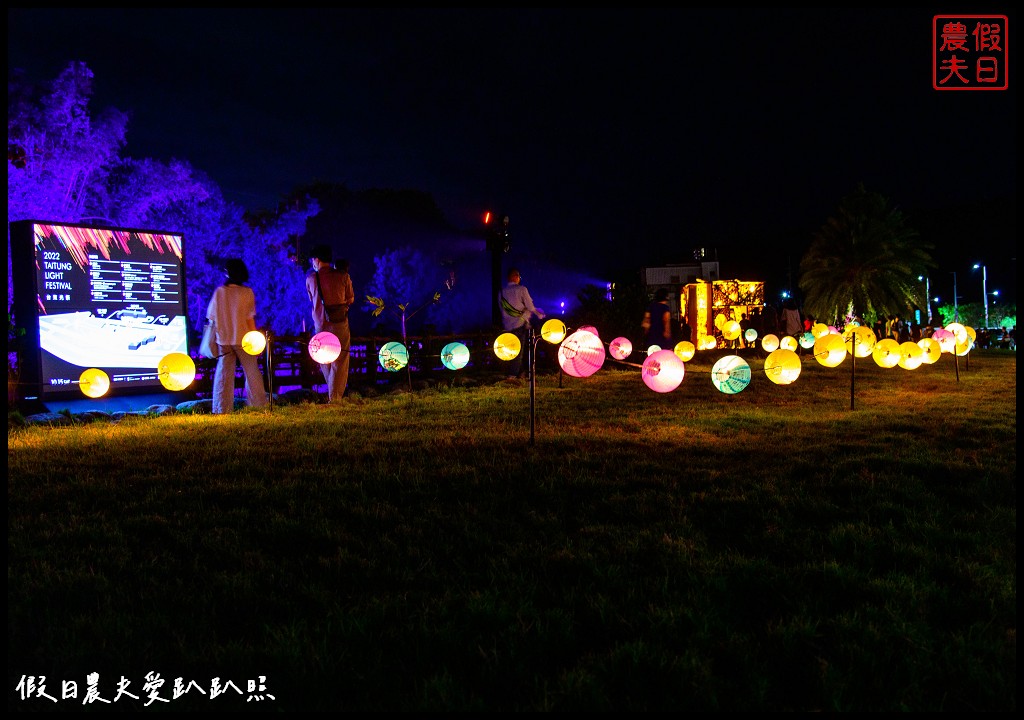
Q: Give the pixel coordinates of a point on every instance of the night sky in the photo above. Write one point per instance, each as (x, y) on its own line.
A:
(613, 139)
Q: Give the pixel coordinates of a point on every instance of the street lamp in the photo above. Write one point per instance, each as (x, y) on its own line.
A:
(956, 308)
(927, 292)
(984, 292)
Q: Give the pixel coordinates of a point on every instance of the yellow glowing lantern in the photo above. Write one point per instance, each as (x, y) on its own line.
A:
(730, 374)
(819, 329)
(911, 355)
(719, 321)
(581, 354)
(176, 371)
(620, 348)
(324, 347)
(254, 342)
(94, 383)
(830, 350)
(663, 371)
(393, 356)
(860, 340)
(553, 331)
(651, 349)
(731, 330)
(750, 335)
(770, 343)
(886, 353)
(782, 366)
(788, 342)
(710, 343)
(684, 350)
(963, 348)
(972, 334)
(946, 340)
(507, 346)
(932, 350)
(455, 356)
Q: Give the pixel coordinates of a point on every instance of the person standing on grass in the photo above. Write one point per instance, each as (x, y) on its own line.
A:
(657, 322)
(232, 312)
(331, 293)
(517, 310)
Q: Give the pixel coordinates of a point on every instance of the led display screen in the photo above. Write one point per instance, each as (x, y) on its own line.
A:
(96, 297)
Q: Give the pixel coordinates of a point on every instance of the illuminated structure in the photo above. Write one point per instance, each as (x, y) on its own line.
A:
(703, 301)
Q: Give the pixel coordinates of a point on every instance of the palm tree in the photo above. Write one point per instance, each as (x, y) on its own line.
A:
(865, 261)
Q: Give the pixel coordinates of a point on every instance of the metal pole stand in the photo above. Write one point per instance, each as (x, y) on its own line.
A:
(532, 365)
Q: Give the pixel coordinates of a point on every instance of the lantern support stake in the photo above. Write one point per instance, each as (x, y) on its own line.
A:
(270, 375)
(531, 363)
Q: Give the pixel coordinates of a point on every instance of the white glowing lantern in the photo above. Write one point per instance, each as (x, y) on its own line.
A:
(932, 350)
(651, 349)
(663, 371)
(788, 342)
(324, 347)
(581, 354)
(770, 343)
(750, 335)
(620, 348)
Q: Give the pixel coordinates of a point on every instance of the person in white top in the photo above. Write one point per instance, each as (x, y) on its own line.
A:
(517, 309)
(232, 311)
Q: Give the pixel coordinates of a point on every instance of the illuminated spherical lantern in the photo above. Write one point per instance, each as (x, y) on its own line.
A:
(788, 342)
(651, 349)
(590, 329)
(806, 340)
(455, 356)
(581, 354)
(324, 347)
(830, 350)
(972, 334)
(962, 348)
(507, 346)
(864, 337)
(959, 331)
(782, 366)
(254, 342)
(819, 329)
(176, 371)
(946, 340)
(886, 353)
(750, 335)
(719, 321)
(911, 355)
(710, 343)
(834, 330)
(620, 348)
(94, 383)
(730, 374)
(684, 350)
(663, 371)
(770, 343)
(393, 356)
(932, 350)
(731, 330)
(553, 331)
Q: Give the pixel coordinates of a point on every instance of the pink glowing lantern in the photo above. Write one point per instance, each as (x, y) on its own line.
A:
(620, 348)
(946, 339)
(324, 347)
(770, 343)
(581, 354)
(830, 350)
(684, 350)
(782, 366)
(663, 371)
(886, 353)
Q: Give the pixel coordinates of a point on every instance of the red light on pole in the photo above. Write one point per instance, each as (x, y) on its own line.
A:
(487, 218)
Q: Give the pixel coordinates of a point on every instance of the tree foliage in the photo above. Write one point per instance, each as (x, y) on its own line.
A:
(866, 256)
